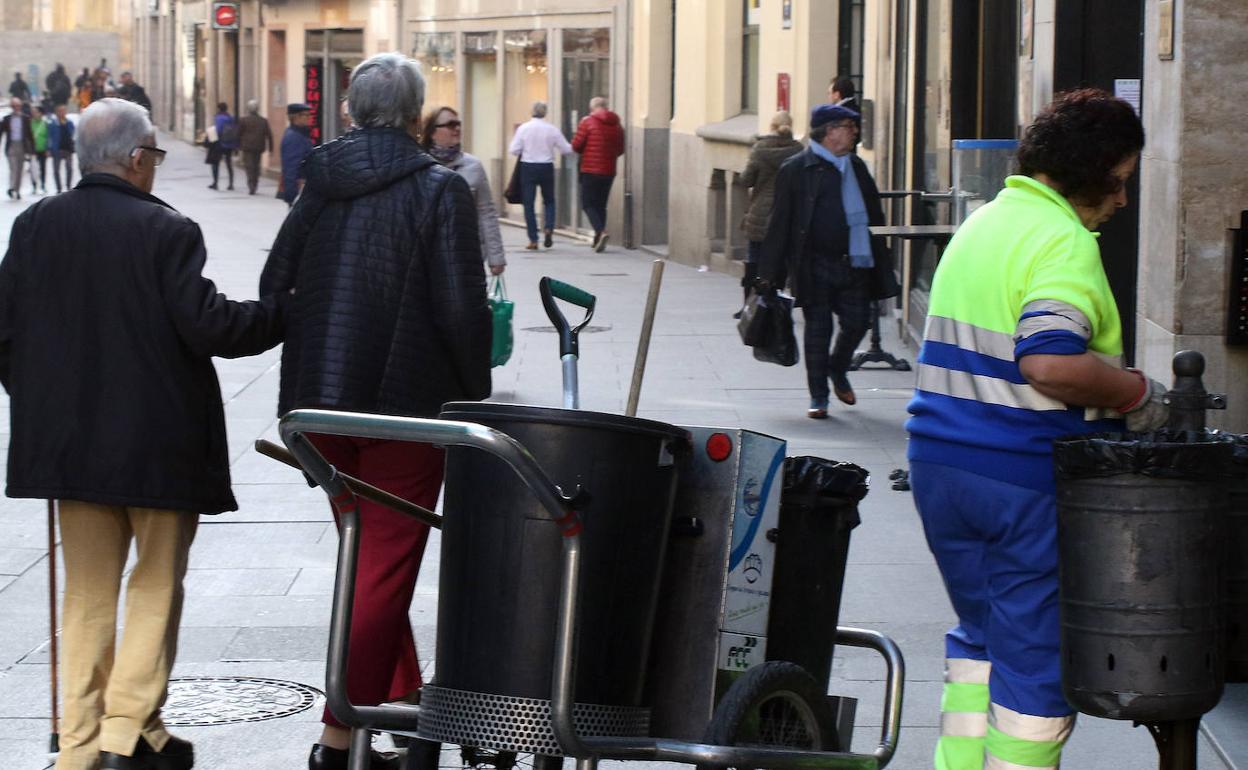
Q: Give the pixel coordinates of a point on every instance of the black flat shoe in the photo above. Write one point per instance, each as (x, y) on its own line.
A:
(176, 755)
(326, 758)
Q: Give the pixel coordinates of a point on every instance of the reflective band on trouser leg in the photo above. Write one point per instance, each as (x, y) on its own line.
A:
(963, 715)
(1024, 742)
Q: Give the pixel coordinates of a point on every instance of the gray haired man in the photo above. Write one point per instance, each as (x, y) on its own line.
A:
(106, 346)
(536, 144)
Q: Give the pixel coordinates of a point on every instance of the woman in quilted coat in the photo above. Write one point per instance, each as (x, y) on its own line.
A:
(390, 317)
(768, 153)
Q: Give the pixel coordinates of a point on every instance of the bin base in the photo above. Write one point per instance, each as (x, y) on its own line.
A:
(522, 725)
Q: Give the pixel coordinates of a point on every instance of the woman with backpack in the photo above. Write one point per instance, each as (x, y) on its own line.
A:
(223, 144)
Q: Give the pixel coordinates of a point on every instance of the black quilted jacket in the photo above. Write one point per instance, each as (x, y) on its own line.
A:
(389, 313)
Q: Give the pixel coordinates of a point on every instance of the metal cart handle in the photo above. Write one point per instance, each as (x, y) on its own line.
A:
(558, 505)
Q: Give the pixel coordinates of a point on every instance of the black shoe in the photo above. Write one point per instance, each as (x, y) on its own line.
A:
(230, 188)
(212, 186)
(737, 315)
(550, 239)
(176, 755)
(10, 193)
(326, 758)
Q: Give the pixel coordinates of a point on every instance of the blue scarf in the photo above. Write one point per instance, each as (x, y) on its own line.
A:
(855, 207)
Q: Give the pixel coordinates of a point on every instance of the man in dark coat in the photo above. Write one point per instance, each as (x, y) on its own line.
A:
(59, 88)
(133, 92)
(296, 144)
(255, 138)
(106, 346)
(383, 251)
(818, 239)
(19, 89)
(599, 140)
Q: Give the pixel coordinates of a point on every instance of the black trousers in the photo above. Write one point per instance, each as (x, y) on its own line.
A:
(228, 157)
(836, 291)
(595, 191)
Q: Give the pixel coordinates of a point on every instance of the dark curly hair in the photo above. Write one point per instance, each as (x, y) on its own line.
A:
(1078, 139)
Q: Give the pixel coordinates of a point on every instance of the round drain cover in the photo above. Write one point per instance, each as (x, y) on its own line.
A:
(197, 701)
(591, 329)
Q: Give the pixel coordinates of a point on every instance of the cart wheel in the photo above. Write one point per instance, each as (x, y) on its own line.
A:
(775, 705)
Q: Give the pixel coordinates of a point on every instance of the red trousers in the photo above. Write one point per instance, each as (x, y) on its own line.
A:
(382, 663)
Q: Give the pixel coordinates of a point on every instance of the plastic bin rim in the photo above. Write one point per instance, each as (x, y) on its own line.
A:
(473, 411)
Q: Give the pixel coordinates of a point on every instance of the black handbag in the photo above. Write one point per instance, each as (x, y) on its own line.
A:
(513, 193)
(780, 346)
(752, 326)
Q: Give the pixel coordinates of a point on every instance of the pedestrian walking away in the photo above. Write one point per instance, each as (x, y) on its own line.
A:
(19, 89)
(222, 146)
(296, 144)
(1023, 344)
(818, 239)
(137, 451)
(535, 144)
(18, 143)
(842, 93)
(391, 325)
(39, 154)
(82, 88)
(133, 92)
(255, 138)
(61, 146)
(59, 87)
(441, 137)
(599, 140)
(766, 157)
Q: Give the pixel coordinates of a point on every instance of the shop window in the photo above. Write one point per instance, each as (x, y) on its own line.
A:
(482, 129)
(849, 55)
(749, 57)
(436, 53)
(525, 79)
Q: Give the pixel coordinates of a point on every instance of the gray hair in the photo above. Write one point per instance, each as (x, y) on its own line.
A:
(598, 102)
(539, 109)
(253, 106)
(108, 132)
(387, 91)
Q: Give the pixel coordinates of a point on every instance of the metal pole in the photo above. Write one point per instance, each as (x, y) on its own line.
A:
(54, 744)
(571, 389)
(643, 345)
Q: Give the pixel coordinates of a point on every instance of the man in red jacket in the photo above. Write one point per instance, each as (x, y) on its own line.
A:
(599, 140)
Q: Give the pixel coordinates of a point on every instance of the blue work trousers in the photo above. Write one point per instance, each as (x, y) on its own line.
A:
(532, 177)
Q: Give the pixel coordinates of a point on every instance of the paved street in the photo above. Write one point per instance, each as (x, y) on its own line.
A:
(258, 588)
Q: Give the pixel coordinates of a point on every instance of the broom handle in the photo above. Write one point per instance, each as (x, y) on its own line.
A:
(52, 614)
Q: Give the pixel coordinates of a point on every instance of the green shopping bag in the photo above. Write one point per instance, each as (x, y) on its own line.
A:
(502, 309)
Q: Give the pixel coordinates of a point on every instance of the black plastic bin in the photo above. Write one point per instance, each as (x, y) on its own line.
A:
(1237, 565)
(499, 584)
(1141, 531)
(818, 510)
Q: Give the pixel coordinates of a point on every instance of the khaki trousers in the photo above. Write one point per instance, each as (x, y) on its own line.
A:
(113, 694)
(17, 161)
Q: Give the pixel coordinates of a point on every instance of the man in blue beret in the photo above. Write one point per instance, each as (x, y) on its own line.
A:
(818, 240)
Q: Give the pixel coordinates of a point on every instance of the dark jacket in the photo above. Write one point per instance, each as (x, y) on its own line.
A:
(28, 139)
(784, 247)
(19, 89)
(135, 93)
(600, 140)
(296, 144)
(58, 85)
(106, 345)
(768, 153)
(389, 313)
(254, 134)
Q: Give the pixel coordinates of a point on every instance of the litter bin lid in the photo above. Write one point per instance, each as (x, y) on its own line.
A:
(474, 411)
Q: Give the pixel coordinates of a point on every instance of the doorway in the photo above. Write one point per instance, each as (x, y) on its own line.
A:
(1085, 56)
(278, 94)
(586, 74)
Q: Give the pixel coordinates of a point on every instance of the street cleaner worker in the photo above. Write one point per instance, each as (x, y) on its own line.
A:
(1023, 344)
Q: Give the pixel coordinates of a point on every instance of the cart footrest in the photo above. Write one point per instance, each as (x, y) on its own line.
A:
(510, 723)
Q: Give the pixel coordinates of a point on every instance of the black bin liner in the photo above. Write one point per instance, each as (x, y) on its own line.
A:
(1141, 530)
(818, 510)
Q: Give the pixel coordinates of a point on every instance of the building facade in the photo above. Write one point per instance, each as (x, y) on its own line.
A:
(36, 35)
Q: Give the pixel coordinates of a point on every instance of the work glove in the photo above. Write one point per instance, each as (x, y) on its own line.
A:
(1149, 411)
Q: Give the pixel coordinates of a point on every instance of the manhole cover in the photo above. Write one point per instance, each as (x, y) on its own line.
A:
(198, 701)
(587, 330)
(609, 275)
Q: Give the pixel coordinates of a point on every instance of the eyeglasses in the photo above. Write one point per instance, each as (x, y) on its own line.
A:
(158, 155)
(454, 124)
(842, 125)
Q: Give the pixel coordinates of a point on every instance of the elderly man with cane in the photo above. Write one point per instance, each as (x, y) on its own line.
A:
(106, 346)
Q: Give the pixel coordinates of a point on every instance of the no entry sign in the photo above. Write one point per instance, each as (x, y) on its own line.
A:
(225, 15)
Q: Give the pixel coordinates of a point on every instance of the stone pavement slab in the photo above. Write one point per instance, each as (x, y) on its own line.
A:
(259, 586)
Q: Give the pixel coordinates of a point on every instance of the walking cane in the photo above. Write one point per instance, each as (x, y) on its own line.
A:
(54, 744)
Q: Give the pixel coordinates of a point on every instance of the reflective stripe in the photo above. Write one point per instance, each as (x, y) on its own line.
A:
(1056, 316)
(1028, 727)
(988, 390)
(969, 698)
(967, 670)
(964, 724)
(969, 337)
(954, 752)
(1005, 753)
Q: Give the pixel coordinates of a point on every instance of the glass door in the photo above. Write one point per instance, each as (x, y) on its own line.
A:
(586, 74)
(482, 129)
(525, 71)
